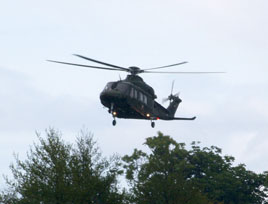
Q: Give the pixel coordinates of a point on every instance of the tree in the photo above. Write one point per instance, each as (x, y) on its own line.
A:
(162, 176)
(222, 181)
(171, 174)
(56, 172)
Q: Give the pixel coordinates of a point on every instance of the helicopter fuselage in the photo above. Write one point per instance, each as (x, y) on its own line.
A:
(132, 98)
(125, 100)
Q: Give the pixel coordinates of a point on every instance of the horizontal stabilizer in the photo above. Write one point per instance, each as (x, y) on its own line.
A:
(172, 118)
(184, 118)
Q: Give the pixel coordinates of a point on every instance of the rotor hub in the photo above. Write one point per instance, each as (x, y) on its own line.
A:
(174, 98)
(134, 70)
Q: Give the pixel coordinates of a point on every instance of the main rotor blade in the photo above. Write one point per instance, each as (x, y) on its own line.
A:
(88, 66)
(183, 72)
(103, 63)
(171, 65)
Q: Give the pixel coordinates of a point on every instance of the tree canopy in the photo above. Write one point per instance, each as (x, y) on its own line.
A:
(169, 173)
(56, 172)
(172, 174)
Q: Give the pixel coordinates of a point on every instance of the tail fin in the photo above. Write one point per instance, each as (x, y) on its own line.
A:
(174, 103)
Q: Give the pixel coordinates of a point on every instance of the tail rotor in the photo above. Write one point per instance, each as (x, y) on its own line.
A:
(172, 96)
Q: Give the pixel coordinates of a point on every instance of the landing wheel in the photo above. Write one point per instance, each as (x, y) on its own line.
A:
(152, 124)
(114, 122)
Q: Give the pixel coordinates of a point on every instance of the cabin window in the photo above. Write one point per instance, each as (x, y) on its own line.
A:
(132, 93)
(141, 97)
(145, 99)
(136, 94)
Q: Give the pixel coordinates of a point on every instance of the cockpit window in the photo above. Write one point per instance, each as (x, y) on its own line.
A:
(122, 87)
(108, 86)
(114, 85)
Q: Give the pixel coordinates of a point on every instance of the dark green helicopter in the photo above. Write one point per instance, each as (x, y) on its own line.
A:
(132, 98)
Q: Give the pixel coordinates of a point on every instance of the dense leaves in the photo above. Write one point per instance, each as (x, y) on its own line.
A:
(169, 173)
(162, 176)
(222, 181)
(55, 172)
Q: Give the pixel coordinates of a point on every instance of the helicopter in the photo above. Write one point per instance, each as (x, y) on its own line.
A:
(132, 98)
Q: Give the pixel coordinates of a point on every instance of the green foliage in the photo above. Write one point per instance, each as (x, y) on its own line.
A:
(55, 172)
(171, 174)
(221, 181)
(162, 176)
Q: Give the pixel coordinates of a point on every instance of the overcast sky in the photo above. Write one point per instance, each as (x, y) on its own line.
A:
(212, 35)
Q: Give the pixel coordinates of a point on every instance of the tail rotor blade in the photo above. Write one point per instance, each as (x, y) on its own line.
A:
(172, 86)
(177, 94)
(165, 100)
